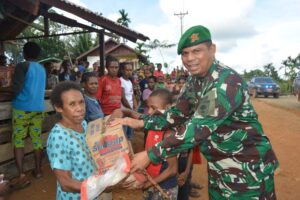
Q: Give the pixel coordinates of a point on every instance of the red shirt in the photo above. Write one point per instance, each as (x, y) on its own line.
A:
(158, 73)
(153, 137)
(109, 94)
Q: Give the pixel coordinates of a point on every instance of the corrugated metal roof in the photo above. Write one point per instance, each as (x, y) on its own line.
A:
(10, 28)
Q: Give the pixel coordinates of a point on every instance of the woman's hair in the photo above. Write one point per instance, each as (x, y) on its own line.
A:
(122, 68)
(164, 95)
(59, 89)
(85, 76)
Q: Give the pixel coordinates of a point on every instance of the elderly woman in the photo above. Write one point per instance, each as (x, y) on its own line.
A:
(68, 153)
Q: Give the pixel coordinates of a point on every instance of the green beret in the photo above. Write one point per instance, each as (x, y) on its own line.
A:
(193, 36)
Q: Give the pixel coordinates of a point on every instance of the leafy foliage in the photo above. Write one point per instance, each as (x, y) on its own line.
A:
(123, 19)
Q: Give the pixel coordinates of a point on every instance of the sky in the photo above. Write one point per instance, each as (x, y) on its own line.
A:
(248, 33)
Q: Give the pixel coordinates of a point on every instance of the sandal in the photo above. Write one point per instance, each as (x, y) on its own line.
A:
(20, 183)
(194, 193)
(196, 185)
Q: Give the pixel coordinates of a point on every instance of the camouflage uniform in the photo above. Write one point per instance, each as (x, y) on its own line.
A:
(215, 112)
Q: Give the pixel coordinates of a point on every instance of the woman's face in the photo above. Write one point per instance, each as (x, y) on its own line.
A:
(91, 85)
(73, 109)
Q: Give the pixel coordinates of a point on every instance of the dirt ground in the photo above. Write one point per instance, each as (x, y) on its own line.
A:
(281, 122)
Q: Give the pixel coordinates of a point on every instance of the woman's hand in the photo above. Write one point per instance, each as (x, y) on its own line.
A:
(115, 114)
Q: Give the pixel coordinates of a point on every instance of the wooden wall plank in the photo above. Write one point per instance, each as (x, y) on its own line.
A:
(6, 150)
(48, 123)
(5, 109)
(10, 169)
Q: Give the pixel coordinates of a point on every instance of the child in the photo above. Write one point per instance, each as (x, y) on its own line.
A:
(163, 173)
(148, 91)
(169, 84)
(90, 84)
(109, 92)
(160, 83)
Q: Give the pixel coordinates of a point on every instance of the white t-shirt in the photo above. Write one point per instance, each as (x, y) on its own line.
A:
(128, 89)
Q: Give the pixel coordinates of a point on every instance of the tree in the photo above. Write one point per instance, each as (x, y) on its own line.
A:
(50, 47)
(78, 44)
(123, 20)
(270, 70)
(141, 50)
(291, 66)
(156, 44)
(252, 73)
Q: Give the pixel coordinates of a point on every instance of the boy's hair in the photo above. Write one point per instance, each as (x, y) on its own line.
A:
(164, 95)
(110, 59)
(31, 50)
(85, 76)
(59, 89)
(152, 77)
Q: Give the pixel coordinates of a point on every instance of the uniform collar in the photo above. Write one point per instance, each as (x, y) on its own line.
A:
(209, 73)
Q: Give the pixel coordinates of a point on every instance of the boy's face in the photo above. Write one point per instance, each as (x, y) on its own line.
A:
(181, 83)
(127, 71)
(147, 73)
(91, 85)
(151, 83)
(155, 103)
(73, 110)
(113, 68)
(160, 79)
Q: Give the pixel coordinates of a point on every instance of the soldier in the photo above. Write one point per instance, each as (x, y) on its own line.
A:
(215, 110)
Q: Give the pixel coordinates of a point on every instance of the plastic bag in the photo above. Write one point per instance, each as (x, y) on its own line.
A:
(95, 185)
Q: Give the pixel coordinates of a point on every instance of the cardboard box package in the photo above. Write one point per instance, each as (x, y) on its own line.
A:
(106, 144)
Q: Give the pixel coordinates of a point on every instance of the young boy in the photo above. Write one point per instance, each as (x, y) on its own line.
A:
(109, 92)
(163, 173)
(90, 84)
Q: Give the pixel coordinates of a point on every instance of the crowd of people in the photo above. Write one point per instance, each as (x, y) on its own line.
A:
(205, 106)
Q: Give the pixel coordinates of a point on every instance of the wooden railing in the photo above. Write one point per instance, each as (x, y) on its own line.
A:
(7, 163)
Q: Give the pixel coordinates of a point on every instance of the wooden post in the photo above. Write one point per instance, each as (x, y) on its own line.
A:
(101, 48)
(46, 26)
(1, 47)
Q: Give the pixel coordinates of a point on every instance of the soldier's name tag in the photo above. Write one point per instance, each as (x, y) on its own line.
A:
(207, 104)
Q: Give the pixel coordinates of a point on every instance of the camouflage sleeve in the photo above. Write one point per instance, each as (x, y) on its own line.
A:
(176, 115)
(214, 108)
